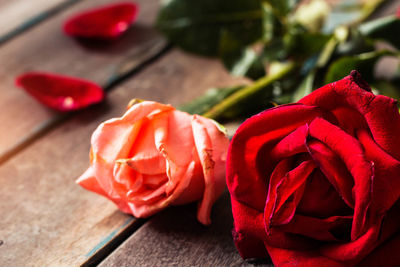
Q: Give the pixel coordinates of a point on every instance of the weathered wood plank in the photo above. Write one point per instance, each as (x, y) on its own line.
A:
(46, 218)
(17, 16)
(46, 48)
(175, 238)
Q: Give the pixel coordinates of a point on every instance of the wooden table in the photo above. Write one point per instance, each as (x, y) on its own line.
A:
(48, 220)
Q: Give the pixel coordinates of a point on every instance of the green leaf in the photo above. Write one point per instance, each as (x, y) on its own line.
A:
(387, 29)
(212, 97)
(363, 63)
(196, 26)
(240, 61)
(274, 50)
(302, 43)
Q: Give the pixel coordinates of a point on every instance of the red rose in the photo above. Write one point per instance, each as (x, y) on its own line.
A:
(317, 183)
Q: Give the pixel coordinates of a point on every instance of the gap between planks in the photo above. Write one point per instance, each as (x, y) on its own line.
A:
(35, 20)
(108, 245)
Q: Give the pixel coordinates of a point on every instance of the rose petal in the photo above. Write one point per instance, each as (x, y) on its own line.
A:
(300, 258)
(320, 229)
(349, 120)
(173, 134)
(247, 166)
(279, 208)
(320, 199)
(353, 250)
(248, 230)
(139, 208)
(334, 170)
(386, 187)
(380, 112)
(356, 250)
(214, 183)
(385, 255)
(113, 140)
(105, 22)
(292, 144)
(128, 177)
(59, 92)
(88, 181)
(144, 156)
(352, 154)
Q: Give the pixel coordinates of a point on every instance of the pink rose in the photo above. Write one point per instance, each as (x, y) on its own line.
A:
(155, 156)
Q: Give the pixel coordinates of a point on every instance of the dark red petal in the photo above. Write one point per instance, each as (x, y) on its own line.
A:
(106, 22)
(319, 229)
(334, 170)
(61, 93)
(321, 200)
(386, 186)
(285, 193)
(300, 258)
(352, 154)
(388, 245)
(385, 255)
(380, 112)
(292, 144)
(349, 120)
(354, 250)
(248, 230)
(245, 182)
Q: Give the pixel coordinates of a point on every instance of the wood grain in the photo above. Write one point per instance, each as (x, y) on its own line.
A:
(19, 15)
(46, 218)
(46, 48)
(175, 238)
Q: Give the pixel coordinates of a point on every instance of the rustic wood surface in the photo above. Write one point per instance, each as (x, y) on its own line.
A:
(47, 48)
(17, 15)
(175, 238)
(49, 220)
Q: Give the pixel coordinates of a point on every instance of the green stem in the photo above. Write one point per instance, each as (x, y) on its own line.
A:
(248, 91)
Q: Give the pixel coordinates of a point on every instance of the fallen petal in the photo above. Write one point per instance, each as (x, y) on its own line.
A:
(105, 22)
(59, 92)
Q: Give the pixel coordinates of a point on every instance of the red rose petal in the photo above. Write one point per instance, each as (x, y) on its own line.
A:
(316, 228)
(351, 152)
(61, 93)
(279, 209)
(106, 22)
(265, 129)
(320, 194)
(380, 112)
(386, 188)
(334, 169)
(300, 258)
(293, 143)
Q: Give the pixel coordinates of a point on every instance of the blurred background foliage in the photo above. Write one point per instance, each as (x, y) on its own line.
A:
(287, 48)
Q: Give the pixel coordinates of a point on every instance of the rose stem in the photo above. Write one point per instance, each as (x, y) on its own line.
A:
(246, 92)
